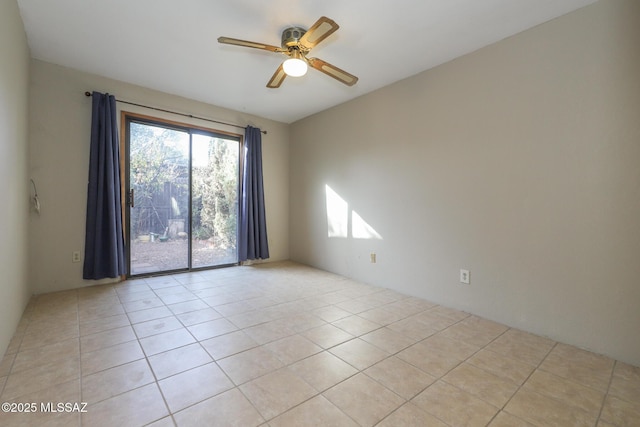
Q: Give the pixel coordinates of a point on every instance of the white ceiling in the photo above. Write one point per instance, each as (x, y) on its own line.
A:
(171, 45)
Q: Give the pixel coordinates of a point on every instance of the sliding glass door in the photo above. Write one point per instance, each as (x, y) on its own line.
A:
(182, 197)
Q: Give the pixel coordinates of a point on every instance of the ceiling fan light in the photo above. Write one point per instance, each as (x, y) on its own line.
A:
(295, 67)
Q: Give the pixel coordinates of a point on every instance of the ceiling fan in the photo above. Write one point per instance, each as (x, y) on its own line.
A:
(296, 44)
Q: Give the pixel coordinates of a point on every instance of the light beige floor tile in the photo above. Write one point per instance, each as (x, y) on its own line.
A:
(142, 304)
(454, 406)
(475, 331)
(250, 364)
(388, 340)
(276, 392)
(41, 377)
(49, 333)
(150, 314)
(111, 356)
(133, 408)
(358, 353)
(287, 311)
(6, 363)
(364, 399)
(429, 360)
(268, 332)
(331, 313)
(46, 404)
(568, 392)
(449, 313)
(251, 318)
(502, 366)
(400, 377)
(193, 386)
(409, 415)
(37, 356)
(163, 422)
(293, 348)
(327, 336)
(132, 296)
(541, 410)
(187, 306)
(98, 312)
(413, 328)
(323, 370)
(101, 325)
(166, 341)
(157, 326)
(354, 306)
(14, 344)
(356, 325)
(182, 297)
(234, 308)
(230, 408)
(620, 412)
(228, 344)
(111, 382)
(164, 287)
(108, 338)
(303, 322)
(262, 302)
(408, 307)
(198, 316)
(482, 384)
(220, 299)
(381, 316)
(452, 347)
(212, 328)
(625, 383)
(175, 289)
(504, 419)
(433, 320)
(316, 412)
(522, 346)
(579, 365)
(178, 360)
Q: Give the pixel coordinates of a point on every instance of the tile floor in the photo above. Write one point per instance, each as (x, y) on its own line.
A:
(286, 345)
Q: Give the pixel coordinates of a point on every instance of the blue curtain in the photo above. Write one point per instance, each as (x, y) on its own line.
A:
(252, 238)
(104, 239)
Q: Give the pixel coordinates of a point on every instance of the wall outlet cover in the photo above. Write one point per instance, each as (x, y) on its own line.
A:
(465, 277)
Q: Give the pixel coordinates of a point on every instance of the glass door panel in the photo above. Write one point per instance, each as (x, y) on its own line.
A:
(215, 170)
(158, 199)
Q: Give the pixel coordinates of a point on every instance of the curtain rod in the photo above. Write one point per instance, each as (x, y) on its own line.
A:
(179, 114)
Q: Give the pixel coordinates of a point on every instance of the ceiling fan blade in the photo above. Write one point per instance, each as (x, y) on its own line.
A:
(333, 71)
(245, 43)
(319, 31)
(277, 78)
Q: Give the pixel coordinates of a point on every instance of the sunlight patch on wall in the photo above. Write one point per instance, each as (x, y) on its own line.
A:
(337, 214)
(340, 220)
(360, 229)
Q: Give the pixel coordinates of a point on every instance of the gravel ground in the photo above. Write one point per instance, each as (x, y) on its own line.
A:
(148, 257)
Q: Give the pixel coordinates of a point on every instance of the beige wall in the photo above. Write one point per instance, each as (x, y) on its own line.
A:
(60, 127)
(14, 210)
(519, 162)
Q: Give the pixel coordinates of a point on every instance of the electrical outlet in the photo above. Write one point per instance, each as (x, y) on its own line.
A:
(75, 256)
(373, 257)
(465, 277)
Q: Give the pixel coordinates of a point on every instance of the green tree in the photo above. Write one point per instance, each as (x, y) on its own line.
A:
(217, 192)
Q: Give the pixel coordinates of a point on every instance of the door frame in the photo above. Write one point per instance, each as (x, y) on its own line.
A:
(125, 118)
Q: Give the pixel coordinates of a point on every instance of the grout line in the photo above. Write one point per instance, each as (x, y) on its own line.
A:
(606, 394)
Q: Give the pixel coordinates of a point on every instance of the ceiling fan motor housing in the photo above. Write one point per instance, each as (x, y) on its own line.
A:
(291, 36)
